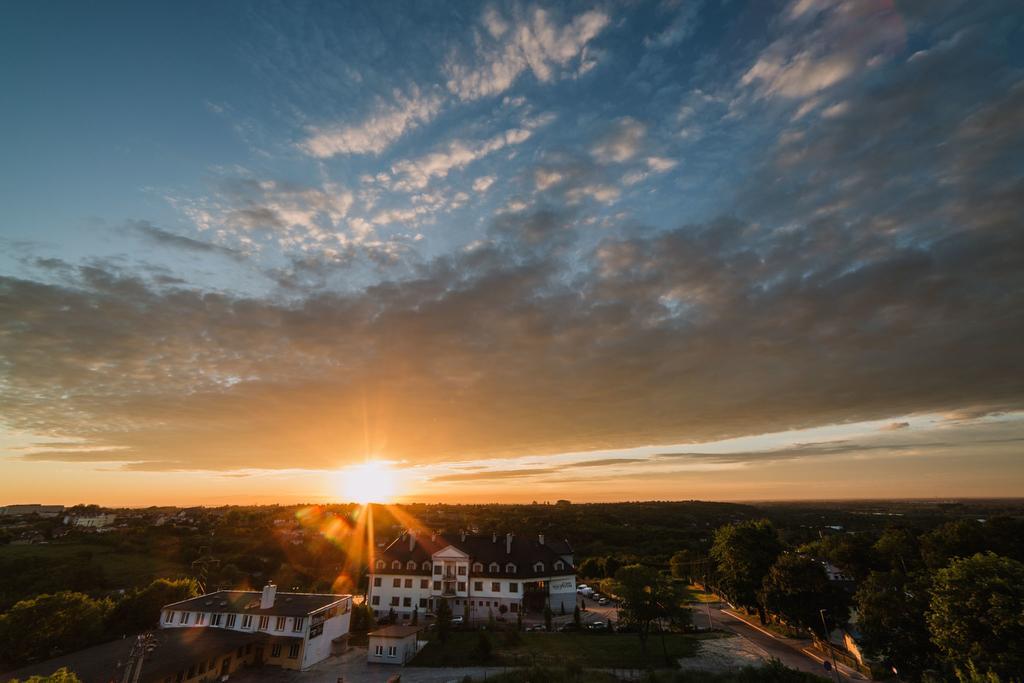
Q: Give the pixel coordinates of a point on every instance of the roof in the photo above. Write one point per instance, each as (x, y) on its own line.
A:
(248, 602)
(176, 649)
(395, 631)
(483, 548)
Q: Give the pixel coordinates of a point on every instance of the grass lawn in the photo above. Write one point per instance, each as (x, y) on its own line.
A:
(120, 569)
(587, 650)
(695, 594)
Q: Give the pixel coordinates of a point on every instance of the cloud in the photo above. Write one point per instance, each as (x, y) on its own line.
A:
(681, 27)
(895, 426)
(482, 183)
(511, 46)
(621, 142)
(166, 238)
(416, 174)
(388, 122)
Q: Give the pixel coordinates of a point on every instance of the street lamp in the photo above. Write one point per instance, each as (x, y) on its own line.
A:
(835, 669)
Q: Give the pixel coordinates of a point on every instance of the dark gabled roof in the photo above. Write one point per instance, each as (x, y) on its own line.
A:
(481, 548)
(176, 649)
(395, 631)
(248, 602)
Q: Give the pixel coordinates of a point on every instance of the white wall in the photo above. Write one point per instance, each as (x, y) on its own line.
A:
(319, 648)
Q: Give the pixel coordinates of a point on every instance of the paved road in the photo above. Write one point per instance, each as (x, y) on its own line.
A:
(787, 650)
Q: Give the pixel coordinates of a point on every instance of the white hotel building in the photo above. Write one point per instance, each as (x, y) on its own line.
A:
(485, 573)
(292, 630)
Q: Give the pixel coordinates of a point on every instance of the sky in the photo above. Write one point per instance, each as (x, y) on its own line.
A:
(515, 251)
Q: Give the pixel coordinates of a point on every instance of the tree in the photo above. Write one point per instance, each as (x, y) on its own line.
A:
(743, 553)
(591, 568)
(61, 675)
(444, 620)
(547, 617)
(976, 613)
(49, 625)
(611, 566)
(647, 597)
(797, 587)
(685, 564)
(139, 610)
(576, 616)
(483, 646)
(890, 616)
(959, 538)
(465, 612)
(415, 616)
(519, 620)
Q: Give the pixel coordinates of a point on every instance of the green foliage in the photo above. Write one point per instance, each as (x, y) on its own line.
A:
(891, 607)
(62, 675)
(591, 568)
(772, 672)
(444, 620)
(547, 617)
(362, 618)
(976, 613)
(686, 564)
(959, 538)
(797, 587)
(576, 616)
(854, 553)
(49, 625)
(744, 553)
(483, 646)
(139, 610)
(416, 616)
(647, 596)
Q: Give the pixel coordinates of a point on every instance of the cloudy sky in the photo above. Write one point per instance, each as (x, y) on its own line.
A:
(615, 250)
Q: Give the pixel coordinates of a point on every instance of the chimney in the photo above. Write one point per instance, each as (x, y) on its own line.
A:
(433, 536)
(540, 538)
(508, 543)
(462, 533)
(267, 599)
(412, 540)
(494, 537)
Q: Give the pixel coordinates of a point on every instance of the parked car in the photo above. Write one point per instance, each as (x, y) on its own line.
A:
(596, 626)
(457, 621)
(603, 601)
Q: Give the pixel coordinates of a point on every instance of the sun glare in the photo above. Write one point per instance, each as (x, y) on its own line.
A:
(371, 482)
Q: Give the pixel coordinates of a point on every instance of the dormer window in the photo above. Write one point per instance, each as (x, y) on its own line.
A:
(426, 566)
(538, 567)
(510, 568)
(494, 568)
(478, 567)
(559, 565)
(410, 565)
(380, 564)
(396, 565)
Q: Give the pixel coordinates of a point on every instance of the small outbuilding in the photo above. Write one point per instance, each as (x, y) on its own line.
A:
(395, 644)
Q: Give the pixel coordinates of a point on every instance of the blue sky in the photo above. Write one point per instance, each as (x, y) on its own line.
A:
(450, 232)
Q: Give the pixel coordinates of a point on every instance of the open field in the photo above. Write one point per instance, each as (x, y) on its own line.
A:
(600, 651)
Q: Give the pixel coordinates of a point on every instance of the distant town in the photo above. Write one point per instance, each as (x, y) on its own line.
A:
(353, 592)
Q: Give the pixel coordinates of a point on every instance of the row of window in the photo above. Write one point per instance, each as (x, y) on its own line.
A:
(429, 604)
(202, 667)
(230, 620)
(478, 567)
(392, 651)
(478, 586)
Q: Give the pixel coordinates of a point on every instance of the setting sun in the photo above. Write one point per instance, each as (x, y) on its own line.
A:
(370, 482)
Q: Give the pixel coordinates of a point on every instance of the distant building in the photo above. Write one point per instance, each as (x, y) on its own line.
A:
(291, 630)
(31, 509)
(395, 644)
(488, 574)
(92, 521)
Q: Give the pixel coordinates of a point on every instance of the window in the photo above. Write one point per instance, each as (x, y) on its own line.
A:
(494, 568)
(510, 568)
(477, 567)
(426, 566)
(264, 623)
(406, 602)
(378, 650)
(293, 651)
(538, 567)
(247, 621)
(559, 565)
(394, 601)
(462, 570)
(169, 618)
(231, 620)
(513, 587)
(423, 602)
(380, 564)
(275, 651)
(392, 650)
(514, 607)
(495, 586)
(410, 565)
(437, 585)
(298, 623)
(200, 618)
(462, 586)
(424, 583)
(184, 620)
(438, 569)
(279, 625)
(478, 586)
(215, 619)
(396, 583)
(408, 583)
(396, 565)
(375, 600)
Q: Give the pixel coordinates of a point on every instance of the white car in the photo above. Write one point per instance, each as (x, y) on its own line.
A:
(603, 601)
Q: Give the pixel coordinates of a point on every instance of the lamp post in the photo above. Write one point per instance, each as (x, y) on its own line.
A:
(835, 669)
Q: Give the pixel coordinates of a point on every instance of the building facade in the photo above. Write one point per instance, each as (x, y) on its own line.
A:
(480, 575)
(295, 630)
(395, 644)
